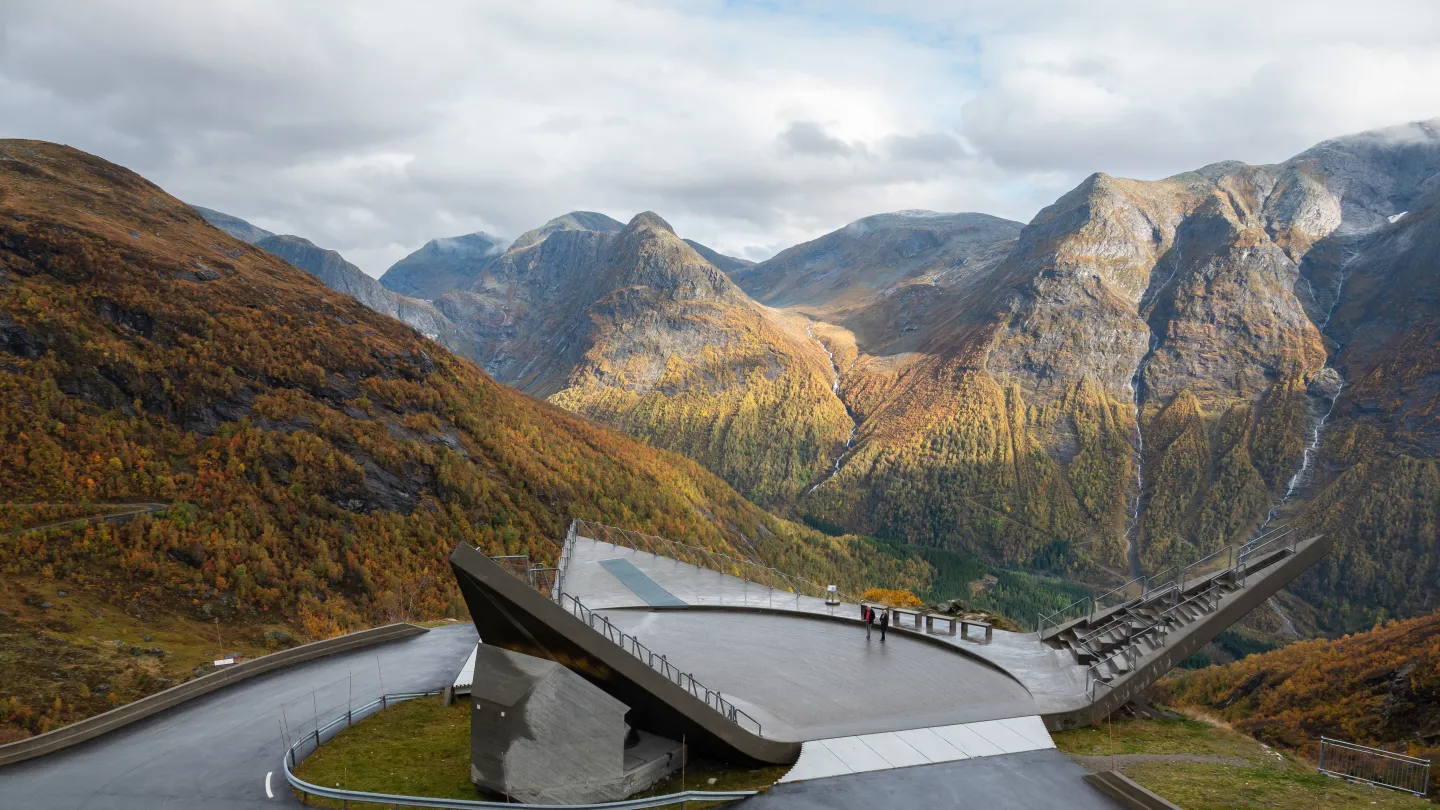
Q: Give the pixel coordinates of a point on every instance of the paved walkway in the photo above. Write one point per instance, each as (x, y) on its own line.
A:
(1051, 679)
(1035, 780)
(921, 746)
(806, 679)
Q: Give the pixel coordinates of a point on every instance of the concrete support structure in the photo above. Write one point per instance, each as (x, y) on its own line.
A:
(540, 733)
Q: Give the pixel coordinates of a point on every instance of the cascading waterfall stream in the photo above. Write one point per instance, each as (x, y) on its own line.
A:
(1137, 396)
(834, 388)
(1317, 432)
(1132, 530)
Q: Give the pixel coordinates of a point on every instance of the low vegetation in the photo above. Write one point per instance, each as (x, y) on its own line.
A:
(1379, 688)
(422, 748)
(1203, 765)
(70, 650)
(417, 748)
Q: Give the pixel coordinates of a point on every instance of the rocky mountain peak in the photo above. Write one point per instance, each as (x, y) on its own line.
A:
(649, 220)
(442, 265)
(573, 221)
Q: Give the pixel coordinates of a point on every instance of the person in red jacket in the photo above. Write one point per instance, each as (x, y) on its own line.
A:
(867, 615)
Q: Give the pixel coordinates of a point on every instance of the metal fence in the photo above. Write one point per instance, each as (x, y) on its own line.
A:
(1374, 766)
(660, 664)
(549, 581)
(1239, 558)
(310, 741)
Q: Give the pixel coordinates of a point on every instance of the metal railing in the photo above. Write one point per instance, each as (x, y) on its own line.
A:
(543, 579)
(297, 751)
(660, 664)
(1374, 766)
(1095, 677)
(1281, 539)
(704, 558)
(1235, 557)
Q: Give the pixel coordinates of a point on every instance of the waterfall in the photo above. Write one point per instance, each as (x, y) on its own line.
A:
(1137, 399)
(834, 388)
(1317, 431)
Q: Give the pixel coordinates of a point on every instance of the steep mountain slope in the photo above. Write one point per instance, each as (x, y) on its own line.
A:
(1380, 687)
(442, 265)
(728, 264)
(1378, 484)
(875, 254)
(631, 326)
(235, 226)
(322, 459)
(342, 276)
(1140, 379)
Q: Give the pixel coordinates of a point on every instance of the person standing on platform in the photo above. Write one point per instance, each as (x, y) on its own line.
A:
(884, 622)
(867, 614)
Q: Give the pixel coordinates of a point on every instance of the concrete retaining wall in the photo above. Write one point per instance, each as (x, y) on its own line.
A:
(1122, 789)
(93, 727)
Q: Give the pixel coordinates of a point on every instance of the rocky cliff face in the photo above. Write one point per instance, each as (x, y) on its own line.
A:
(442, 265)
(631, 326)
(1141, 377)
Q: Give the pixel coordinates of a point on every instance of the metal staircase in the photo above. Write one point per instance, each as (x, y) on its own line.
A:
(1118, 629)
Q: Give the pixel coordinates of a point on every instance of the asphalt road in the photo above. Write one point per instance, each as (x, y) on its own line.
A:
(215, 751)
(1034, 780)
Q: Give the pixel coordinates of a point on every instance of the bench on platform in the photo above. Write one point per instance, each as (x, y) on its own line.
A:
(966, 624)
(930, 624)
(914, 618)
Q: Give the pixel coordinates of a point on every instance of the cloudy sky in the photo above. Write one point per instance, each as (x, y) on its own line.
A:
(371, 127)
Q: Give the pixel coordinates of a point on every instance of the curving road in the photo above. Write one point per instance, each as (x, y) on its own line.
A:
(215, 751)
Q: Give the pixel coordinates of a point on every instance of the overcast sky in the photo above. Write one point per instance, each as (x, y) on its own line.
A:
(371, 127)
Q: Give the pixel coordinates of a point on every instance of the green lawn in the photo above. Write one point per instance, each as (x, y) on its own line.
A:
(1260, 777)
(416, 748)
(422, 748)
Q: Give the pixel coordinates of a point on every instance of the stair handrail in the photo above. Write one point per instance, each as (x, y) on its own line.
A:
(1051, 620)
(1140, 579)
(1227, 551)
(1164, 577)
(1285, 539)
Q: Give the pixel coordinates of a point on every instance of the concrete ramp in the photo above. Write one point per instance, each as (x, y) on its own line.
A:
(843, 756)
(1043, 779)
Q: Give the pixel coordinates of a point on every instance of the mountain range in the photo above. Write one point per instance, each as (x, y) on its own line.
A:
(318, 460)
(1145, 371)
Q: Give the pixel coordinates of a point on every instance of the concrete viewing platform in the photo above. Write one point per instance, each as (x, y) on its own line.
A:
(748, 669)
(804, 667)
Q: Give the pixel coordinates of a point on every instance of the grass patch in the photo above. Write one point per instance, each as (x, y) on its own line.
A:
(1267, 777)
(422, 748)
(417, 748)
(1179, 736)
(1212, 787)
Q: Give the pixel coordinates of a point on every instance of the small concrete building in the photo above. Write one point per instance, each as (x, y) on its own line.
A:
(540, 733)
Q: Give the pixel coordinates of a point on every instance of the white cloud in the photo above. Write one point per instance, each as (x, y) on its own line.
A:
(371, 127)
